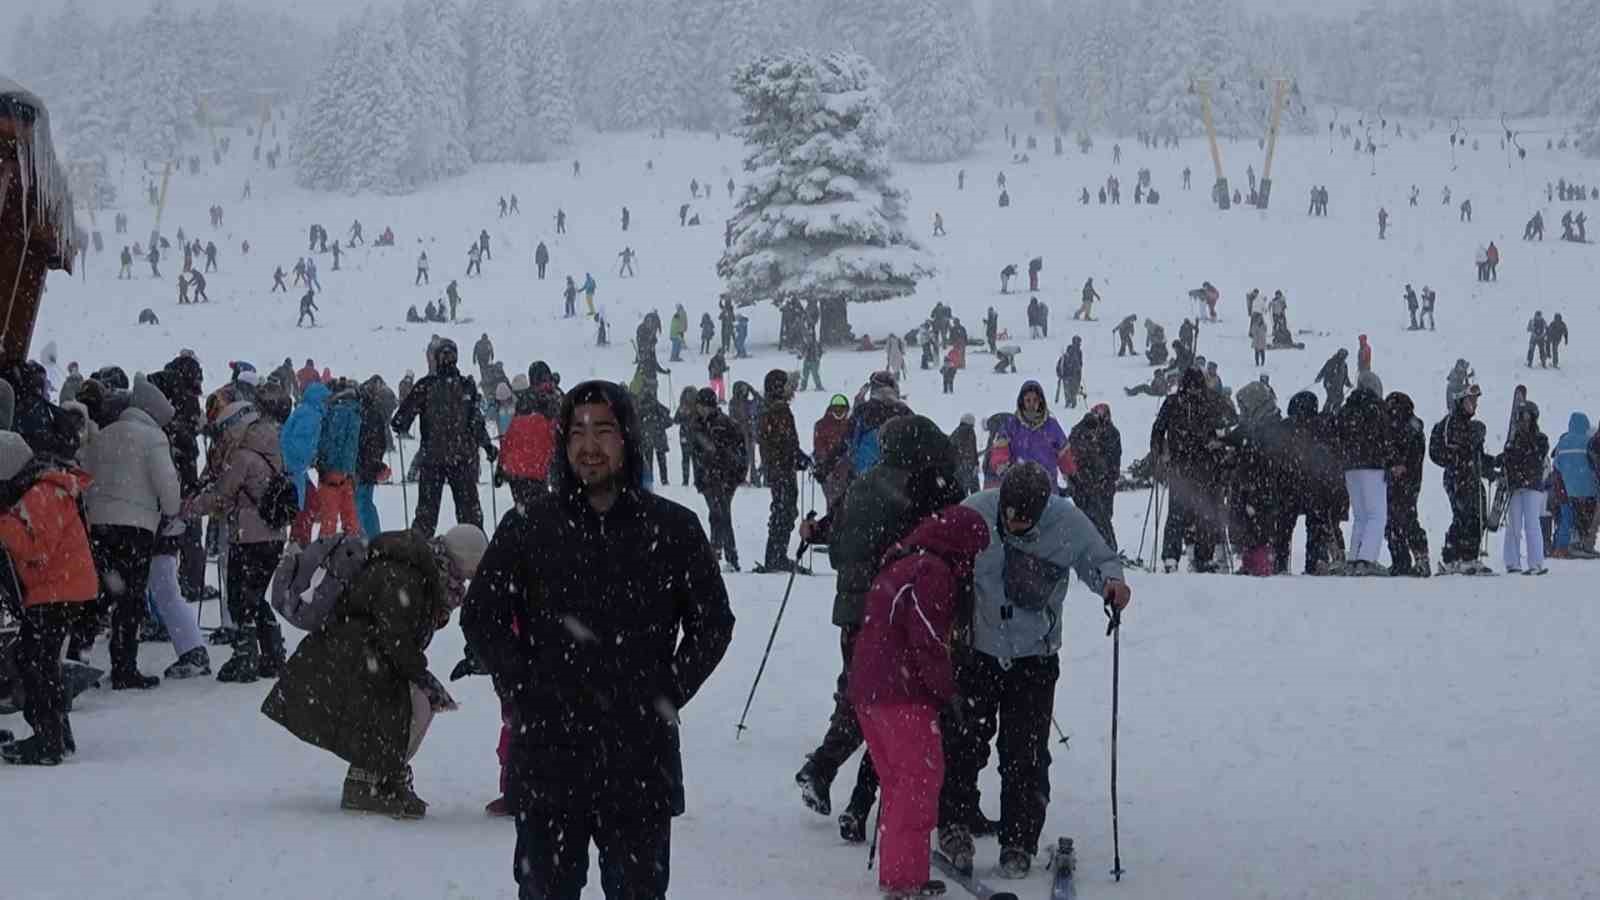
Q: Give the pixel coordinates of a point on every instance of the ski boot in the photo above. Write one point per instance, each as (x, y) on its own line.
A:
(853, 821)
(33, 751)
(272, 653)
(241, 668)
(1015, 863)
(194, 663)
(814, 789)
(385, 795)
(933, 887)
(955, 842)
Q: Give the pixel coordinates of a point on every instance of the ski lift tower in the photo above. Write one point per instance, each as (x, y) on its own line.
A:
(1280, 95)
(37, 232)
(1219, 191)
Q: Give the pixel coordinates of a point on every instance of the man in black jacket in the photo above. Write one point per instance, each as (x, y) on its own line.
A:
(1185, 439)
(1362, 426)
(1456, 445)
(1302, 447)
(1408, 542)
(720, 462)
(599, 612)
(780, 453)
(1096, 447)
(452, 432)
(878, 510)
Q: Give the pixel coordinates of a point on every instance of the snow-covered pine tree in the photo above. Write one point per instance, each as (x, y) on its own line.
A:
(494, 89)
(438, 79)
(165, 101)
(820, 216)
(378, 111)
(647, 91)
(319, 145)
(936, 93)
(547, 90)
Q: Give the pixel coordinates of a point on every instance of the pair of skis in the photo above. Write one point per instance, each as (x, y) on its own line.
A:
(1063, 865)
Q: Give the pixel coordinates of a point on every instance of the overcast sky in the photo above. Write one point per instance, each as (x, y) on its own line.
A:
(328, 12)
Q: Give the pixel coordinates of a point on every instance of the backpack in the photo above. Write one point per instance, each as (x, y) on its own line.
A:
(325, 569)
(865, 450)
(279, 502)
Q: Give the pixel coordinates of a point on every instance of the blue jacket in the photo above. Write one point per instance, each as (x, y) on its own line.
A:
(1063, 537)
(588, 283)
(301, 434)
(1572, 458)
(340, 440)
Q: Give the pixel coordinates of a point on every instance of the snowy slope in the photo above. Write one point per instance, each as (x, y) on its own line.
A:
(1282, 738)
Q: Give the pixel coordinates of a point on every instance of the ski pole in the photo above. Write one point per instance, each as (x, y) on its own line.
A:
(1145, 531)
(740, 728)
(1064, 736)
(872, 851)
(405, 497)
(1114, 628)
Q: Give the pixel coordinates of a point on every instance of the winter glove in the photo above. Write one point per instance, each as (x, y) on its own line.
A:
(499, 479)
(802, 462)
(439, 699)
(469, 665)
(492, 453)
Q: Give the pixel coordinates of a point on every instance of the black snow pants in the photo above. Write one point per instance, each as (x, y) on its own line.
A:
(1467, 505)
(44, 630)
(719, 509)
(844, 737)
(1016, 702)
(785, 488)
(1193, 509)
(462, 476)
(122, 554)
(1408, 543)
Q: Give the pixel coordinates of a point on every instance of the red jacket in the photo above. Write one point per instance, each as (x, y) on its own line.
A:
(528, 446)
(902, 654)
(43, 532)
(306, 376)
(827, 433)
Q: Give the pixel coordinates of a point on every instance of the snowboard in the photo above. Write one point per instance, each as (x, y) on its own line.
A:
(1295, 346)
(1502, 491)
(968, 881)
(1064, 864)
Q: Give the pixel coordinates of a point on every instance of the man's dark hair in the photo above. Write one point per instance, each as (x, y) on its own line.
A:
(615, 396)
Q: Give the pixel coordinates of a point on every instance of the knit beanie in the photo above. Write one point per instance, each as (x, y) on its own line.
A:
(466, 545)
(1025, 491)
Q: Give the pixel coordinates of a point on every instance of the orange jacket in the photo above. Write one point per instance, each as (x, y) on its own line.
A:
(527, 447)
(49, 546)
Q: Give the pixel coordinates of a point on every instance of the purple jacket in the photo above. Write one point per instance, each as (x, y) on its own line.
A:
(1042, 445)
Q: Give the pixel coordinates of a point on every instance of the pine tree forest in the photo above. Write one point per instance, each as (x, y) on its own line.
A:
(510, 81)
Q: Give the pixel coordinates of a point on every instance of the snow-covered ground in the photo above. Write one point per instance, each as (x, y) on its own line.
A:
(1289, 737)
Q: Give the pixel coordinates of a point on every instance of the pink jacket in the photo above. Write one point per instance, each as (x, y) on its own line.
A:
(903, 652)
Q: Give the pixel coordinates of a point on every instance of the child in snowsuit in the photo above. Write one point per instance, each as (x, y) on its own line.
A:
(901, 676)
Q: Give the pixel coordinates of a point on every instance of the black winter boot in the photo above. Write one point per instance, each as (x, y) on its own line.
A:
(814, 789)
(242, 668)
(272, 653)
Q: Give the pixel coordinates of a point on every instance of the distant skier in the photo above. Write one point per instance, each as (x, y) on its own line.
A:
(308, 307)
(561, 221)
(1537, 340)
(1069, 373)
(336, 254)
(515, 209)
(1035, 266)
(154, 258)
(1429, 298)
(938, 224)
(183, 290)
(541, 258)
(197, 283)
(474, 260)
(355, 234)
(1466, 210)
(211, 256)
(503, 207)
(570, 294)
(1124, 331)
(1006, 274)
(626, 217)
(626, 269)
(1411, 307)
(422, 269)
(588, 291)
(483, 244)
(1334, 376)
(1085, 312)
(1555, 334)
(683, 215)
(126, 271)
(1383, 223)
(454, 296)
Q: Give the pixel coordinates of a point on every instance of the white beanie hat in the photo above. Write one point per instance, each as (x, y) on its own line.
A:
(465, 544)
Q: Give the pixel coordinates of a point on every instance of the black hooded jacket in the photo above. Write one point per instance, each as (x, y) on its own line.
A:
(452, 418)
(1362, 428)
(1408, 443)
(598, 628)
